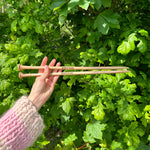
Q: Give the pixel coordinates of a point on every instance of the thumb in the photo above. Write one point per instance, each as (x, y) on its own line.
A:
(45, 73)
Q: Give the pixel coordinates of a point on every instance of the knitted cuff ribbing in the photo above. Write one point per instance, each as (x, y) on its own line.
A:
(20, 126)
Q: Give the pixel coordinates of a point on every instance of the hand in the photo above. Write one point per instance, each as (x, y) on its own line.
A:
(44, 85)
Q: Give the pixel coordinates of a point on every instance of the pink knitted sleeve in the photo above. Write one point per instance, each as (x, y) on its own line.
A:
(20, 126)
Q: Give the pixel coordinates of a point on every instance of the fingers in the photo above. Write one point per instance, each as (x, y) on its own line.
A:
(52, 79)
(44, 61)
(56, 77)
(46, 73)
(55, 80)
(52, 63)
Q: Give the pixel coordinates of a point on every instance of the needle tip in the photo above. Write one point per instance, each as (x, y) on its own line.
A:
(19, 67)
(20, 75)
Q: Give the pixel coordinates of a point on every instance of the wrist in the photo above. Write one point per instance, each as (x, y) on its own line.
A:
(35, 101)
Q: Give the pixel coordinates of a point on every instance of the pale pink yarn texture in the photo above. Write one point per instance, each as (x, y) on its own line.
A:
(20, 126)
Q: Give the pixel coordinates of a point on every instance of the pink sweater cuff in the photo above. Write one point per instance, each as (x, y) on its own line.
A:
(20, 126)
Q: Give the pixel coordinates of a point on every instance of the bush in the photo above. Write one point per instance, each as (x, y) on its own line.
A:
(93, 111)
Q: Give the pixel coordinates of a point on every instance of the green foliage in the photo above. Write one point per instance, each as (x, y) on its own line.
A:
(66, 106)
(105, 20)
(101, 112)
(93, 131)
(70, 139)
(129, 45)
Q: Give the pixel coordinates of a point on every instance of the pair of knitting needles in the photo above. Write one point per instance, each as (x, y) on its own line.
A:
(114, 69)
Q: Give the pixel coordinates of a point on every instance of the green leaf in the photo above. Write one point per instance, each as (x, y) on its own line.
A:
(24, 59)
(66, 106)
(90, 100)
(24, 27)
(63, 11)
(136, 108)
(62, 19)
(127, 46)
(148, 138)
(6, 71)
(81, 3)
(105, 20)
(147, 111)
(98, 112)
(58, 147)
(116, 145)
(111, 18)
(143, 32)
(106, 3)
(25, 19)
(131, 39)
(92, 37)
(142, 46)
(43, 143)
(102, 55)
(101, 24)
(84, 4)
(88, 138)
(133, 133)
(4, 84)
(93, 131)
(87, 115)
(70, 139)
(57, 4)
(38, 27)
(62, 15)
(72, 4)
(147, 108)
(98, 4)
(125, 111)
(68, 147)
(14, 26)
(124, 48)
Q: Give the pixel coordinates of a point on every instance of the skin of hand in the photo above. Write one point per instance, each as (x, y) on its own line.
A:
(44, 85)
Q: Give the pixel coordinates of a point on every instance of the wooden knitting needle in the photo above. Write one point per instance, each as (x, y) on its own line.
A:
(21, 75)
(21, 67)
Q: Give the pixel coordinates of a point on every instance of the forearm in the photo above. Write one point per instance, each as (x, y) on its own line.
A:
(20, 126)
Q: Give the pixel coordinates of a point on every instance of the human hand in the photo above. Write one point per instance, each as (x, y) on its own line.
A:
(44, 85)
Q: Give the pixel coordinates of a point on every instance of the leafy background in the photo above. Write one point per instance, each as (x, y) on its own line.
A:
(101, 112)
